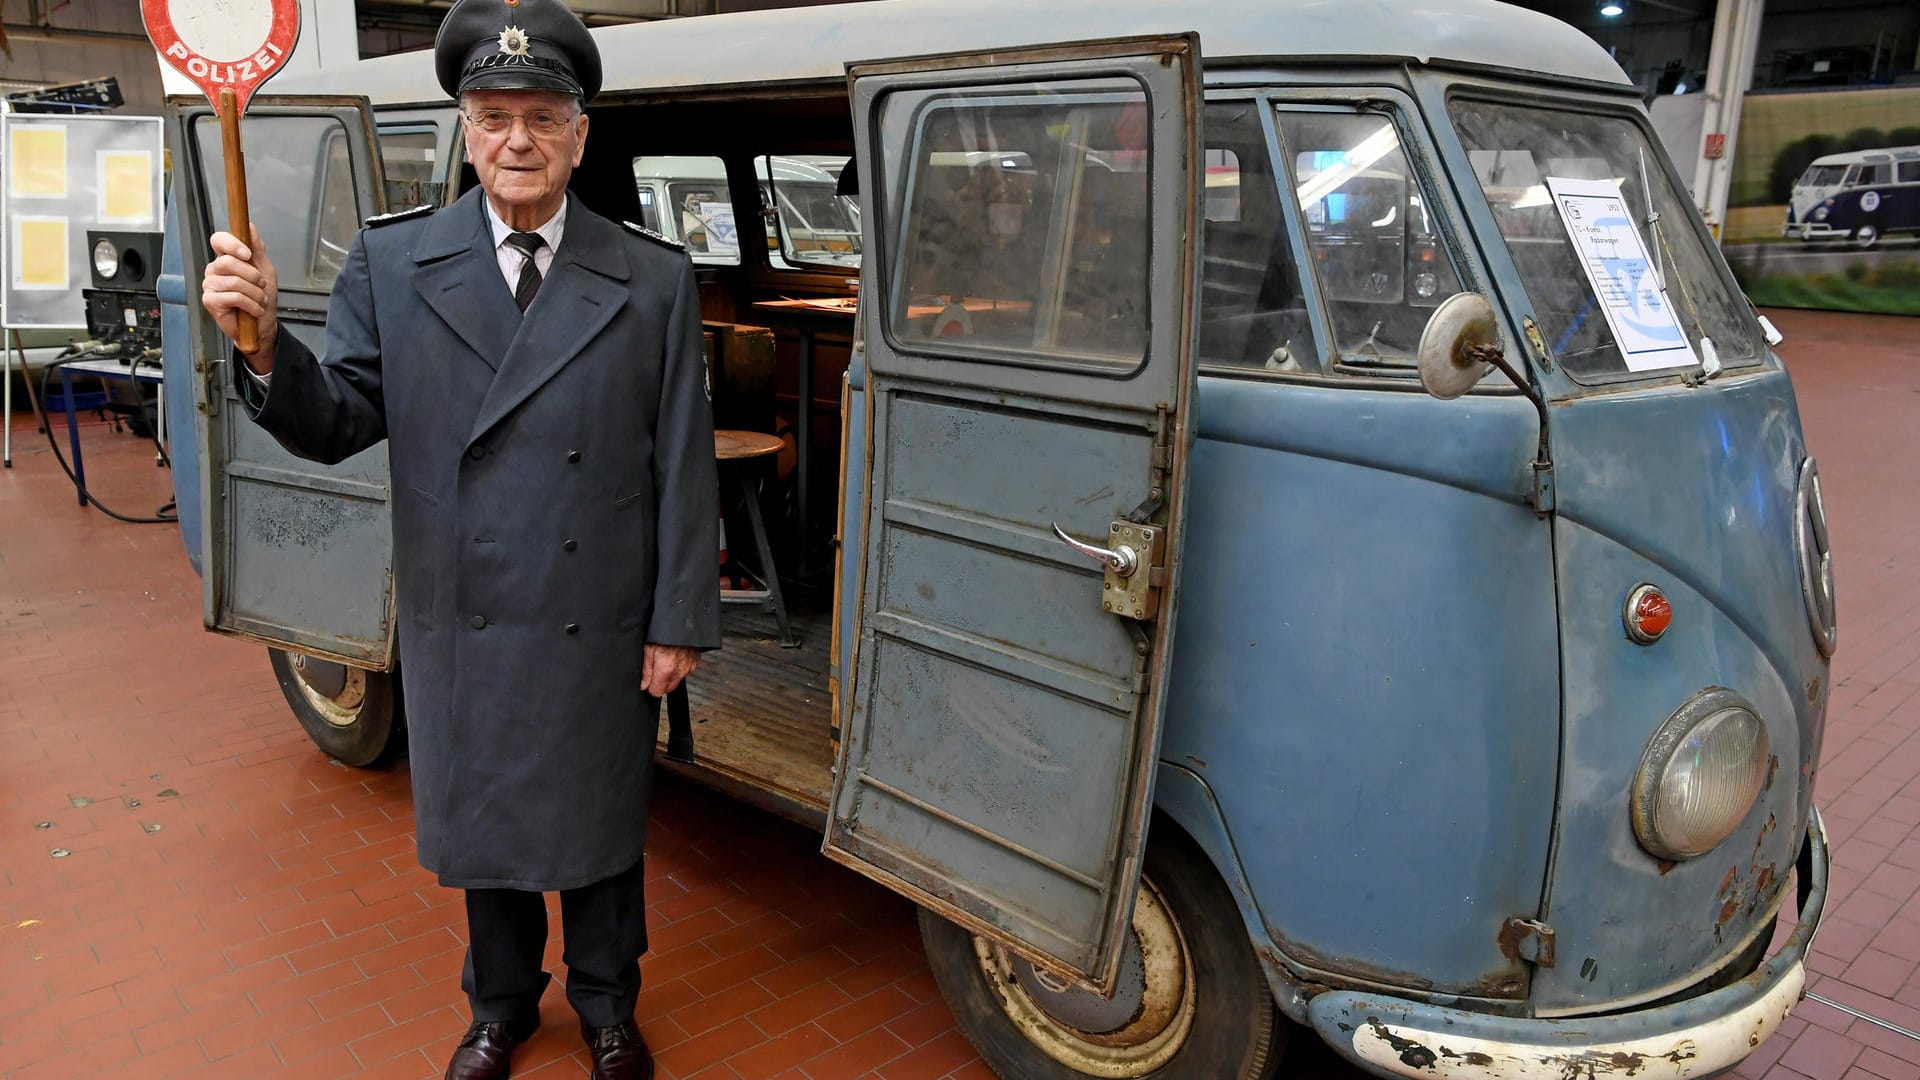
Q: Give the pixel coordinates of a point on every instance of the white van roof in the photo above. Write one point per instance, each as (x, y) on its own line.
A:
(1878, 153)
(813, 44)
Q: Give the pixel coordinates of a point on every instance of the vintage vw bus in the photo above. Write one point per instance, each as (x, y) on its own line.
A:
(1860, 196)
(1323, 540)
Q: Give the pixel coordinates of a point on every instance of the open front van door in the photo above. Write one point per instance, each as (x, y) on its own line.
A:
(294, 554)
(1031, 226)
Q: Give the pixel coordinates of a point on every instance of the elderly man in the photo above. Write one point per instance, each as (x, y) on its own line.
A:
(537, 372)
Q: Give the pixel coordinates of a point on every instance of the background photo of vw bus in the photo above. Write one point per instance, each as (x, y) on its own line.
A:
(1825, 205)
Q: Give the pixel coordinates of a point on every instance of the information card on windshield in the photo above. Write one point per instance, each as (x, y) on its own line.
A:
(1611, 250)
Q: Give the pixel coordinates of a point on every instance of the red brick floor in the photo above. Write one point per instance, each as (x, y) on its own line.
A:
(190, 889)
(229, 903)
(1858, 380)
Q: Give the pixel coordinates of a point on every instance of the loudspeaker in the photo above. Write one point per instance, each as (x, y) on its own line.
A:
(124, 260)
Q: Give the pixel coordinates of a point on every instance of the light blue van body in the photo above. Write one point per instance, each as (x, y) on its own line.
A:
(1403, 718)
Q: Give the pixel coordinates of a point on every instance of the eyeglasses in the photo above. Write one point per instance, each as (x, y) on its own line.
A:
(544, 123)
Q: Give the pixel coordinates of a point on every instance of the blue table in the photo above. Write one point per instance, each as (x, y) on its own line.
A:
(108, 368)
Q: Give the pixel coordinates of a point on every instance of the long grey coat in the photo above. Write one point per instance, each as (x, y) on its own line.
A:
(554, 509)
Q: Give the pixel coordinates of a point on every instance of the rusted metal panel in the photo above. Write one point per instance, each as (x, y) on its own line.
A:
(1002, 725)
(295, 554)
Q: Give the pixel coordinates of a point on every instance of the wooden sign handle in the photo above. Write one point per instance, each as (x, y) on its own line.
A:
(246, 329)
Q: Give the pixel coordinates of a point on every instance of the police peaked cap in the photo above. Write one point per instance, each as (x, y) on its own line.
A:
(516, 45)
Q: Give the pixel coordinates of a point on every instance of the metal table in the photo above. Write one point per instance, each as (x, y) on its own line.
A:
(107, 368)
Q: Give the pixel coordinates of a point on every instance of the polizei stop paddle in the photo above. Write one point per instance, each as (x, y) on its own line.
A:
(228, 48)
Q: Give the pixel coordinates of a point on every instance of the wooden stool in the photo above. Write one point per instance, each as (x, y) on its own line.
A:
(733, 449)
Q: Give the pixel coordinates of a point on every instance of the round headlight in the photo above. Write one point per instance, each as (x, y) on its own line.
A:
(1699, 776)
(1425, 285)
(106, 259)
(1820, 214)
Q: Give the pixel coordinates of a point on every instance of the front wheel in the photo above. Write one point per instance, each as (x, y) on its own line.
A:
(1191, 1002)
(354, 716)
(1866, 236)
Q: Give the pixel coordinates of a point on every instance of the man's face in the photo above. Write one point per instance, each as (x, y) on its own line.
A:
(520, 165)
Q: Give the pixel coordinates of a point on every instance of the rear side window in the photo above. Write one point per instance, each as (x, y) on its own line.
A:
(812, 224)
(1910, 172)
(686, 198)
(1023, 219)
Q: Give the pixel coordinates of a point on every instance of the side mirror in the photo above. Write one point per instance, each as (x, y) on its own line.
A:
(1461, 341)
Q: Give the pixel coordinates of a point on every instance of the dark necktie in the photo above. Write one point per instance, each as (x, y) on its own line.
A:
(527, 243)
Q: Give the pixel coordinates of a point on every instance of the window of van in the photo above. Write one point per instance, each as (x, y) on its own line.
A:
(814, 225)
(1252, 313)
(1910, 172)
(1382, 263)
(1824, 175)
(409, 156)
(300, 178)
(1514, 149)
(686, 198)
(1021, 218)
(1877, 173)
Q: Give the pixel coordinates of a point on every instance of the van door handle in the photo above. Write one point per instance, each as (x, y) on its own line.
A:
(1120, 563)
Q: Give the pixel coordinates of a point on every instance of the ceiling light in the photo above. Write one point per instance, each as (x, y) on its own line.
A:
(1612, 11)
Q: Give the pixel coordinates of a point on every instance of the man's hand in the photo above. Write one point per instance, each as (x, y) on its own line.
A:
(664, 667)
(241, 278)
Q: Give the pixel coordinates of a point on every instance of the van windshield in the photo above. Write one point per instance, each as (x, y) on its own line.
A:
(1515, 150)
(1823, 175)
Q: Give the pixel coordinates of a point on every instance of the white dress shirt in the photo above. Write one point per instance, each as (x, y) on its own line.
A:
(506, 255)
(510, 258)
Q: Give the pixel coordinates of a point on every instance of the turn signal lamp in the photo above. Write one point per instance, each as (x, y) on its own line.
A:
(1647, 614)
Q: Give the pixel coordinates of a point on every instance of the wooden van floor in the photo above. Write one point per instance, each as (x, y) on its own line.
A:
(762, 714)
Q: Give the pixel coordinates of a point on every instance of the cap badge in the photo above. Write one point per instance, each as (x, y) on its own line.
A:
(513, 41)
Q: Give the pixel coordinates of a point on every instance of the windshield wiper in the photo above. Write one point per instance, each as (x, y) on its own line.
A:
(1657, 246)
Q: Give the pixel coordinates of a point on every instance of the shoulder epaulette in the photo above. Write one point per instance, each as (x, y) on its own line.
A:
(659, 238)
(378, 220)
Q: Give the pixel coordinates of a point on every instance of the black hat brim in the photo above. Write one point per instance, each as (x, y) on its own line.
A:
(524, 78)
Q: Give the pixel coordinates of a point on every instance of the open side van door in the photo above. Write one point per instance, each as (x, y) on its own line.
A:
(293, 554)
(1031, 234)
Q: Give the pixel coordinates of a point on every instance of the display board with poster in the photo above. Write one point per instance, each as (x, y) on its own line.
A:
(1824, 210)
(63, 175)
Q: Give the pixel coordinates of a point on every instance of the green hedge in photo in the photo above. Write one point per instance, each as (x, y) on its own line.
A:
(1888, 288)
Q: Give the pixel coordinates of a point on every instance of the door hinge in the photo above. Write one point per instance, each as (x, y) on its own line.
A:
(1159, 467)
(1527, 939)
(1542, 496)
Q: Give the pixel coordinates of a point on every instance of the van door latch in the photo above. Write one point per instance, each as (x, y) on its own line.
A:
(1527, 939)
(1132, 559)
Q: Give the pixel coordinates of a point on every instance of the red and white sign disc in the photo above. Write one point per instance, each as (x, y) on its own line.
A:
(224, 44)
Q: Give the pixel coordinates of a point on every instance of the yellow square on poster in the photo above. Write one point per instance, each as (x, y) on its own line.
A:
(37, 162)
(126, 187)
(40, 253)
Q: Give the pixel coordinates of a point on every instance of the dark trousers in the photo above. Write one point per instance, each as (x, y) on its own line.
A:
(604, 926)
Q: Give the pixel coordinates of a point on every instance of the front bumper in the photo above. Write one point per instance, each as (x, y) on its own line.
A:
(1812, 230)
(1395, 1037)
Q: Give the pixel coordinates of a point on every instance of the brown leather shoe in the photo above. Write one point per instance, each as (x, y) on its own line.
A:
(486, 1051)
(619, 1053)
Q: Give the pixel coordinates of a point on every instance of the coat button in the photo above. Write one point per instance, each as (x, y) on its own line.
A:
(571, 545)
(476, 451)
(478, 622)
(573, 457)
(573, 628)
